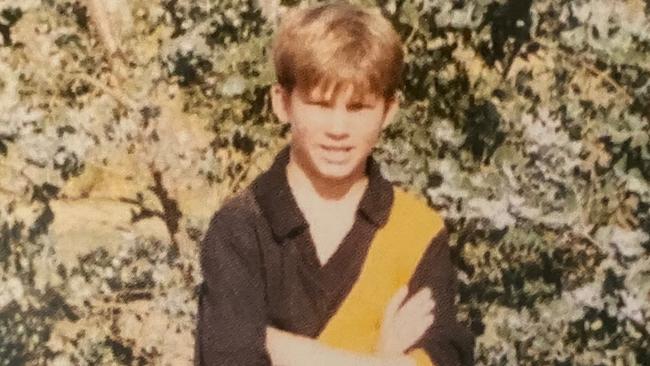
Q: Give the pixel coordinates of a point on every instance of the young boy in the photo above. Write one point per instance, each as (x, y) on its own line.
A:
(312, 263)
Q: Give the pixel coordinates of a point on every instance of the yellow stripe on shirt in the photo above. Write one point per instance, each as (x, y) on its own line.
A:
(394, 254)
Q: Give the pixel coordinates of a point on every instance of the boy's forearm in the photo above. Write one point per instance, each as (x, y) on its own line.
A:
(288, 349)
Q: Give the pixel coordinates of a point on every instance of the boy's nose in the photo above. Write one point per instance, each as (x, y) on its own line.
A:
(338, 127)
(337, 133)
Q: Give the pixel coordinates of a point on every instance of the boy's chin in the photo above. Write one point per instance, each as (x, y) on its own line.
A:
(335, 171)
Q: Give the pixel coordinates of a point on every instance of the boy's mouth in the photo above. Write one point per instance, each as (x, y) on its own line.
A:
(336, 148)
(336, 154)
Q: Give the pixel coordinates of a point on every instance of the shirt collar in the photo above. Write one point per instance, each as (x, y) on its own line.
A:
(278, 205)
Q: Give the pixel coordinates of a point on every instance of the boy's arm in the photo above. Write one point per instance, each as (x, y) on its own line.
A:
(446, 342)
(288, 349)
(231, 327)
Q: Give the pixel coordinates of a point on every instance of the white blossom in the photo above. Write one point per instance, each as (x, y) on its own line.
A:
(10, 290)
(627, 242)
(233, 85)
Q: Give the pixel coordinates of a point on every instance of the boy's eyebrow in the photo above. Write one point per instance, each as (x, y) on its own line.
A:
(326, 93)
(355, 102)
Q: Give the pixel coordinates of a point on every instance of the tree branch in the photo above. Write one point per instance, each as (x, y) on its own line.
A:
(99, 17)
(122, 98)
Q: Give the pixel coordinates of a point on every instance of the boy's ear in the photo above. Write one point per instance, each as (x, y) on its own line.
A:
(392, 106)
(280, 102)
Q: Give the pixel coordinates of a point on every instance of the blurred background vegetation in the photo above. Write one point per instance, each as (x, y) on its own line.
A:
(124, 124)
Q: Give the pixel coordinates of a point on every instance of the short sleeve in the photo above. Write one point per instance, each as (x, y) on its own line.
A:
(231, 319)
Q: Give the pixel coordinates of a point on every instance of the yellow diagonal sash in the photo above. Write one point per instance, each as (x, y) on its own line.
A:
(391, 261)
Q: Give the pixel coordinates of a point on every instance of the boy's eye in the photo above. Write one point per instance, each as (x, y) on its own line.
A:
(351, 107)
(357, 106)
(360, 106)
(321, 103)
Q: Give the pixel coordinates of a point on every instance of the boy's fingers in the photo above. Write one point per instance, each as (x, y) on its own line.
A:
(423, 301)
(422, 294)
(417, 316)
(396, 301)
(413, 318)
(415, 309)
(427, 305)
(416, 304)
(424, 325)
(425, 290)
(412, 331)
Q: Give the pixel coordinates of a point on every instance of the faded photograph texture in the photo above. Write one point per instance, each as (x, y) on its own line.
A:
(125, 124)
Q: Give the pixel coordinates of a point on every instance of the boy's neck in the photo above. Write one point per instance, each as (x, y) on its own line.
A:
(329, 191)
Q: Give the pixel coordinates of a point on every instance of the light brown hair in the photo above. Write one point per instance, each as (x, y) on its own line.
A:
(337, 43)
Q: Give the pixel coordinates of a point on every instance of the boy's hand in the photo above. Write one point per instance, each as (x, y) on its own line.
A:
(403, 326)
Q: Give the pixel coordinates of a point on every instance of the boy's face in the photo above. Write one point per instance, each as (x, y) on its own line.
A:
(332, 134)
